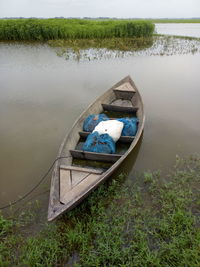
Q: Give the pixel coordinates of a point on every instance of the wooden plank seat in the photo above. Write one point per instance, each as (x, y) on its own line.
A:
(124, 91)
(80, 169)
(80, 154)
(110, 107)
(123, 139)
(125, 87)
(72, 178)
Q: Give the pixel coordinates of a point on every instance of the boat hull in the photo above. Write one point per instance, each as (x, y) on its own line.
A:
(69, 184)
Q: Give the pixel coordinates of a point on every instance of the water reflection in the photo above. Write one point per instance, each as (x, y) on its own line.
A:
(160, 46)
(183, 29)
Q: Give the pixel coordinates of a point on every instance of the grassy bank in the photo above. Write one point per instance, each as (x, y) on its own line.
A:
(51, 29)
(152, 222)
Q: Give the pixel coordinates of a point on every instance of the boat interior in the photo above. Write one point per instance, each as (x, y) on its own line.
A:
(89, 166)
(79, 172)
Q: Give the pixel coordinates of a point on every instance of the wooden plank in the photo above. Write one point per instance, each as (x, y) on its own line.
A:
(124, 94)
(84, 134)
(78, 191)
(122, 103)
(122, 139)
(76, 168)
(65, 183)
(126, 139)
(125, 87)
(108, 107)
(80, 154)
(78, 176)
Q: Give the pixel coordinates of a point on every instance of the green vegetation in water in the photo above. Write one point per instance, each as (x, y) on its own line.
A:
(152, 222)
(168, 45)
(178, 36)
(122, 44)
(175, 20)
(162, 45)
(96, 48)
(53, 29)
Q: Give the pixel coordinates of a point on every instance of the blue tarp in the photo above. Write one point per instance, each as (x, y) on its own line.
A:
(130, 126)
(92, 120)
(99, 143)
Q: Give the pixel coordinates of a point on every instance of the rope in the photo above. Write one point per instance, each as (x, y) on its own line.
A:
(29, 192)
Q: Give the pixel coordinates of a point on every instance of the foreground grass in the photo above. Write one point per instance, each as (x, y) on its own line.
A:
(53, 29)
(151, 222)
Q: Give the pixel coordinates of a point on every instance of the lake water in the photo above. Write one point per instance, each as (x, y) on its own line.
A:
(183, 29)
(42, 94)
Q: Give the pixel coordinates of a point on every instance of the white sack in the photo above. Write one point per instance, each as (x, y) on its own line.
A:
(112, 127)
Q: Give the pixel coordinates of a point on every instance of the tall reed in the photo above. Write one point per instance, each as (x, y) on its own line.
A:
(53, 29)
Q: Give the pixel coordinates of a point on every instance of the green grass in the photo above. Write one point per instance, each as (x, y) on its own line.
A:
(53, 29)
(153, 221)
(175, 20)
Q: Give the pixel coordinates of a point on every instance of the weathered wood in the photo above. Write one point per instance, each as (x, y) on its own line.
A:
(124, 91)
(122, 103)
(125, 87)
(70, 198)
(78, 177)
(126, 139)
(65, 183)
(109, 107)
(74, 194)
(124, 94)
(80, 154)
(122, 139)
(76, 168)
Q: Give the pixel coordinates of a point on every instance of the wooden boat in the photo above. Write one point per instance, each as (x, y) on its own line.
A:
(73, 178)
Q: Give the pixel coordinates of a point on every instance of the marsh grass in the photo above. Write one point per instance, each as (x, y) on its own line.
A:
(197, 20)
(153, 221)
(53, 29)
(122, 44)
(87, 50)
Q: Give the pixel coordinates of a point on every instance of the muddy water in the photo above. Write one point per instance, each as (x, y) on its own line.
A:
(42, 94)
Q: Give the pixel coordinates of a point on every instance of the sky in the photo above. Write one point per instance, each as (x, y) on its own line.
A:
(100, 8)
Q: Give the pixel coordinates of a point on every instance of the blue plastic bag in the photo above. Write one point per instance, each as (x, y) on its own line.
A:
(130, 126)
(92, 120)
(99, 143)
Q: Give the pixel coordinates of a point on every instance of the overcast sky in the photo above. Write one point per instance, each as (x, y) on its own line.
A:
(101, 8)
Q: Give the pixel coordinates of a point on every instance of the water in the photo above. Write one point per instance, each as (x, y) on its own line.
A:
(182, 29)
(42, 94)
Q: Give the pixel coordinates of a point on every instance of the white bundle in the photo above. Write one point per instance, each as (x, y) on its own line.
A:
(111, 127)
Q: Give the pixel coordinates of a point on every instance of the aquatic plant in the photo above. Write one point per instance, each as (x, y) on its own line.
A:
(197, 20)
(53, 29)
(91, 49)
